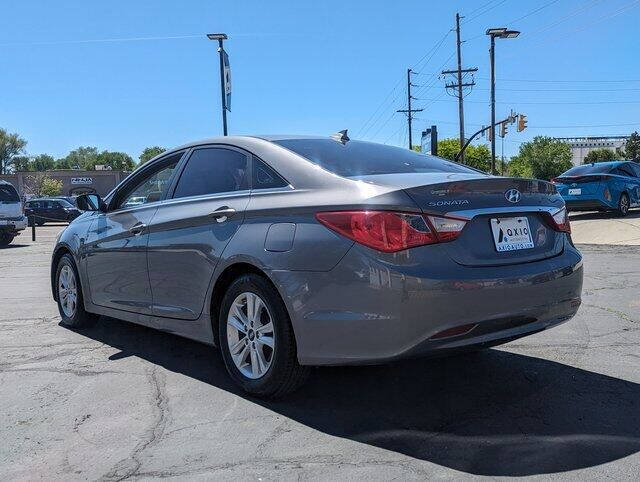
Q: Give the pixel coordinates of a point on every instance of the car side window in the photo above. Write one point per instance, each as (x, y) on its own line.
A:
(264, 177)
(626, 171)
(213, 170)
(635, 168)
(152, 186)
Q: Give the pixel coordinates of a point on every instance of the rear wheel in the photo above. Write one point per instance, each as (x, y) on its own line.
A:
(623, 204)
(69, 294)
(5, 240)
(256, 339)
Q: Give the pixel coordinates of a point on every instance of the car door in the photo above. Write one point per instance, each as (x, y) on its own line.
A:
(190, 230)
(633, 168)
(116, 244)
(56, 212)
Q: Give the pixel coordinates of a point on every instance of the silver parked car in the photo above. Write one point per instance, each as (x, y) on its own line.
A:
(288, 252)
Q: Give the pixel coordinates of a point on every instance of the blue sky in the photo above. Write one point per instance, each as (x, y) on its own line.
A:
(72, 75)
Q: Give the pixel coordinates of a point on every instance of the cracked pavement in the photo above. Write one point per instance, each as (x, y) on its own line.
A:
(119, 401)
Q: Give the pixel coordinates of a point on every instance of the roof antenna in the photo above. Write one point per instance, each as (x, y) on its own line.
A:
(341, 136)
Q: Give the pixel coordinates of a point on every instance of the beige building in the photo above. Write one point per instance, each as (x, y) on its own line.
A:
(581, 146)
(74, 181)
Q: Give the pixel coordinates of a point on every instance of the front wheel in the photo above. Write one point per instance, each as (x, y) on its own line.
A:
(623, 204)
(5, 240)
(69, 295)
(256, 339)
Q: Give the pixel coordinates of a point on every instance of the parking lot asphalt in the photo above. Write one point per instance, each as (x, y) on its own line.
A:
(119, 401)
(606, 228)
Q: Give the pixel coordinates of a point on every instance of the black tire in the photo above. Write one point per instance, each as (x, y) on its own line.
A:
(40, 222)
(5, 240)
(80, 317)
(285, 375)
(623, 205)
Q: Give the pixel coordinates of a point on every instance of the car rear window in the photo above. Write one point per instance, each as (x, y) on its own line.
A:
(8, 194)
(359, 158)
(589, 169)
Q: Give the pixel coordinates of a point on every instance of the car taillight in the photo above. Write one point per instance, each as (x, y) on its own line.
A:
(561, 221)
(390, 231)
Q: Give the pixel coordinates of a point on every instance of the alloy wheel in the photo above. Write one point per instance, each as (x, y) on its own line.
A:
(250, 335)
(67, 291)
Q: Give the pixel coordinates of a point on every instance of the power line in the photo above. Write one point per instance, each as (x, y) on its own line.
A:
(485, 11)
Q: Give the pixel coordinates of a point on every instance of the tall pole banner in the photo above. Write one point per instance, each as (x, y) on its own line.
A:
(227, 81)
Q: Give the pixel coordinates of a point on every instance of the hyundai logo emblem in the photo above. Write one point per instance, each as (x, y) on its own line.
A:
(512, 195)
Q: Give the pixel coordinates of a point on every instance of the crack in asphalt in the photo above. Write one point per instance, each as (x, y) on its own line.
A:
(620, 314)
(129, 466)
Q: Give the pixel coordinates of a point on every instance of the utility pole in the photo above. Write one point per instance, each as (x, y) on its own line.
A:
(409, 110)
(459, 85)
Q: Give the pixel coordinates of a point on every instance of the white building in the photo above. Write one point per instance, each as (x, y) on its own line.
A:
(581, 146)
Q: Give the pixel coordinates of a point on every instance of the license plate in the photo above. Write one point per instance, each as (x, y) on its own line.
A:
(575, 192)
(511, 234)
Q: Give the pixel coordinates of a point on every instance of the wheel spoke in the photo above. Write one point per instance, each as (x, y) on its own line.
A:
(262, 362)
(237, 324)
(239, 358)
(264, 329)
(265, 340)
(258, 305)
(237, 312)
(255, 370)
(237, 346)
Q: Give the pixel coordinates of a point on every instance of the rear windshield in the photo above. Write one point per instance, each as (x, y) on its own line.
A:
(8, 194)
(358, 158)
(589, 169)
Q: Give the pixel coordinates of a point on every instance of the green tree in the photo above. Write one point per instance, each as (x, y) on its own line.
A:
(632, 147)
(79, 158)
(118, 161)
(50, 187)
(42, 162)
(541, 158)
(22, 163)
(478, 156)
(151, 152)
(518, 167)
(601, 155)
(11, 145)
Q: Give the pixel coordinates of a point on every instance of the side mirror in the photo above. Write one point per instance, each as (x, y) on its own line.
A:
(91, 202)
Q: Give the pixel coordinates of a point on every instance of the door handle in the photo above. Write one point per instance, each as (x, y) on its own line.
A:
(222, 214)
(137, 229)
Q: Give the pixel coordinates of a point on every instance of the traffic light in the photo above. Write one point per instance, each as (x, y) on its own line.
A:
(503, 129)
(522, 122)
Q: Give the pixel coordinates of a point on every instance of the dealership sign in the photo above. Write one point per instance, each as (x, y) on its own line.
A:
(81, 180)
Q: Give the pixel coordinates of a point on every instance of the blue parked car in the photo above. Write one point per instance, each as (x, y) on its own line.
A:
(604, 186)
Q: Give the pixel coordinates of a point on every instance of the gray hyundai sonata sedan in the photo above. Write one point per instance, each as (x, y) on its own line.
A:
(288, 252)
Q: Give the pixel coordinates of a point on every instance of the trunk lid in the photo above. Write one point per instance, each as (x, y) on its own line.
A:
(588, 184)
(479, 199)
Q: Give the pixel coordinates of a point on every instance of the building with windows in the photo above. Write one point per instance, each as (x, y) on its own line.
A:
(74, 181)
(581, 146)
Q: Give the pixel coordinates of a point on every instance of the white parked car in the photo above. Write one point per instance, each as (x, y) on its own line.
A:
(12, 218)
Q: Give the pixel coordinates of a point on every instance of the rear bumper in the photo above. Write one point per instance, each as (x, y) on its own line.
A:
(376, 308)
(13, 225)
(582, 204)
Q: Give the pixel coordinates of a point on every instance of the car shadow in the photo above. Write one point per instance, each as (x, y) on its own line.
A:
(492, 413)
(13, 245)
(580, 216)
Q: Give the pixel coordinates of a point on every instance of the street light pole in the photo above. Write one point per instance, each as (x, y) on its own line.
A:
(494, 33)
(220, 37)
(493, 104)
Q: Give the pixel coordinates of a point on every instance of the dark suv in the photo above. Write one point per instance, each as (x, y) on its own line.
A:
(43, 210)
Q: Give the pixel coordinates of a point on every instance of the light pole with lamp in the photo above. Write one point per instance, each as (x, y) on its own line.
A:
(494, 33)
(220, 37)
